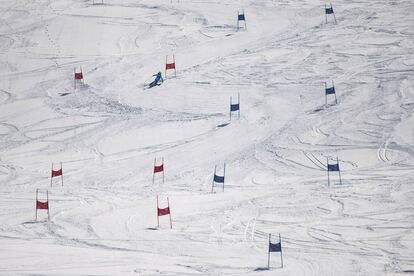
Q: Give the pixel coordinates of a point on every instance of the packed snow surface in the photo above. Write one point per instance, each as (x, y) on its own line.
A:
(108, 131)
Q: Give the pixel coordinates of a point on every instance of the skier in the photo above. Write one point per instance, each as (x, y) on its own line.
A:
(157, 81)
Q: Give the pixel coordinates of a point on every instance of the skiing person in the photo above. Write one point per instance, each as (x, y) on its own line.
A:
(157, 81)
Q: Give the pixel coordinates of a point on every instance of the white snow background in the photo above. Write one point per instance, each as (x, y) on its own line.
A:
(107, 134)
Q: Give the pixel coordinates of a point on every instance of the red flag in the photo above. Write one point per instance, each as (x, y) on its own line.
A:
(57, 173)
(170, 66)
(163, 212)
(158, 169)
(42, 205)
(78, 76)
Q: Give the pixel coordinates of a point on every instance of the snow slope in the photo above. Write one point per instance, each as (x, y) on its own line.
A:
(107, 134)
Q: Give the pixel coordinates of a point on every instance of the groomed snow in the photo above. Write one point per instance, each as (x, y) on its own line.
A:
(107, 134)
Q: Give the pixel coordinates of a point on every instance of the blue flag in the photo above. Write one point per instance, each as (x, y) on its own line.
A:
(218, 179)
(234, 107)
(275, 247)
(241, 17)
(333, 168)
(329, 10)
(330, 90)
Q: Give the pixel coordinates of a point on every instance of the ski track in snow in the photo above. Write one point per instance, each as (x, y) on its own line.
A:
(108, 132)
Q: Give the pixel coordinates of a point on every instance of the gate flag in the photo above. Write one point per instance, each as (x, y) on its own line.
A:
(329, 10)
(163, 212)
(333, 167)
(234, 107)
(158, 169)
(330, 90)
(218, 178)
(56, 173)
(274, 247)
(42, 205)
